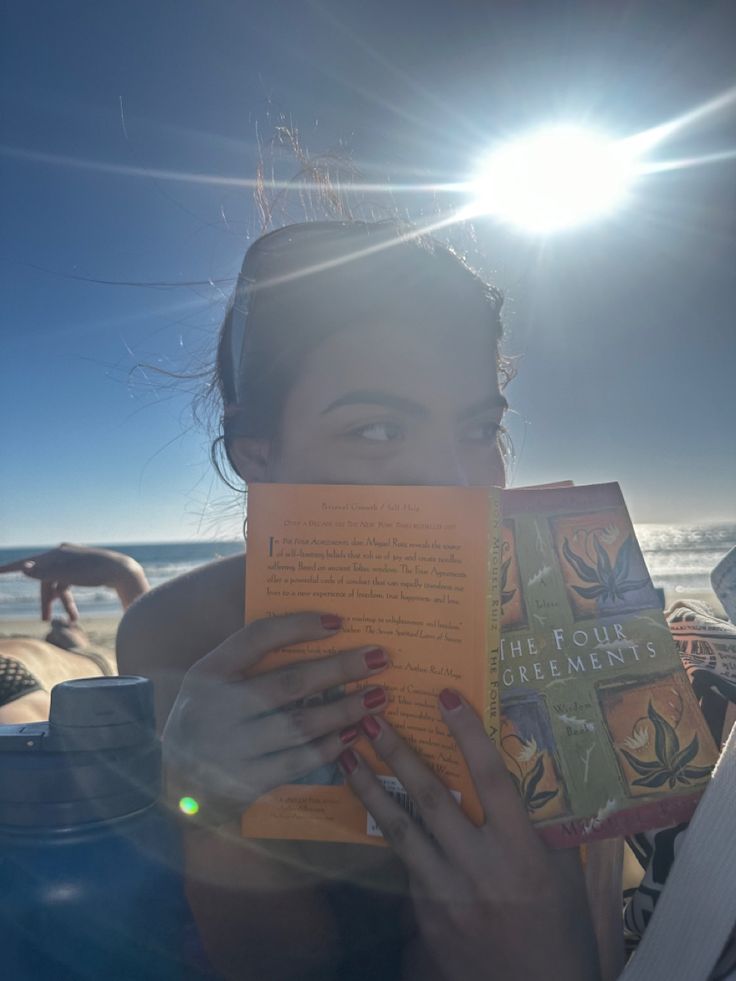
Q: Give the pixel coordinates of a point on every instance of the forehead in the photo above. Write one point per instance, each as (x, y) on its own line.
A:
(443, 367)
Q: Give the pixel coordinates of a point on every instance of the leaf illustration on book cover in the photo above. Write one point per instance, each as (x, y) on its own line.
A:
(608, 582)
(671, 764)
(529, 779)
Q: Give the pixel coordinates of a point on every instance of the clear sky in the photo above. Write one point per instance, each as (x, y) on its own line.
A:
(127, 128)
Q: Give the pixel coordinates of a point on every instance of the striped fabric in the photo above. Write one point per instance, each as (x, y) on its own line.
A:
(708, 648)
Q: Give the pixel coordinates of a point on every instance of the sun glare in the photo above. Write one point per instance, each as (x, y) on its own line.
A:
(553, 179)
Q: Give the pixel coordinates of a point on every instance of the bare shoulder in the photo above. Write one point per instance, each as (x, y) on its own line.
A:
(169, 628)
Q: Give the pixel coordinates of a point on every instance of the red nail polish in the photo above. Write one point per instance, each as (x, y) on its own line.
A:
(330, 621)
(349, 735)
(375, 659)
(371, 727)
(348, 761)
(450, 701)
(374, 698)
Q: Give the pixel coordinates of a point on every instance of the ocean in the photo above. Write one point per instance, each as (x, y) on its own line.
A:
(679, 558)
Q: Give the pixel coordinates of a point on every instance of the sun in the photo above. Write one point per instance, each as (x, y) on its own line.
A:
(553, 179)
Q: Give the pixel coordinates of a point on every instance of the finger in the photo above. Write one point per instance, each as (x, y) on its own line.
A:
(47, 565)
(243, 649)
(47, 598)
(253, 778)
(67, 599)
(501, 802)
(438, 809)
(403, 834)
(301, 723)
(303, 678)
(20, 565)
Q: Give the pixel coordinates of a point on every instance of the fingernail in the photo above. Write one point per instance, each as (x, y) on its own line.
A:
(375, 659)
(374, 698)
(348, 761)
(371, 727)
(330, 621)
(450, 701)
(349, 735)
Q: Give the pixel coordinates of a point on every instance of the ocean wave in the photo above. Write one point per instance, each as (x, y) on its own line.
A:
(679, 557)
(168, 570)
(655, 538)
(30, 595)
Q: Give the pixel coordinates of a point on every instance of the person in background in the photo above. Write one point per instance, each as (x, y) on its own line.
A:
(30, 668)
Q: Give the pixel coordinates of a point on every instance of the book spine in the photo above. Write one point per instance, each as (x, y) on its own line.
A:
(492, 708)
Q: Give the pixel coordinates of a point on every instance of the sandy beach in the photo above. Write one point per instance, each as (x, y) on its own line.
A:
(100, 630)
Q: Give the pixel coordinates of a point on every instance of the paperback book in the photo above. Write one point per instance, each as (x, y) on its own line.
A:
(601, 731)
(535, 604)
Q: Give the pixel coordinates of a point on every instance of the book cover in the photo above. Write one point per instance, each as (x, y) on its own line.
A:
(600, 729)
(412, 569)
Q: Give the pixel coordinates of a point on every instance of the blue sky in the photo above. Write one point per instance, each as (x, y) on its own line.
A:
(625, 327)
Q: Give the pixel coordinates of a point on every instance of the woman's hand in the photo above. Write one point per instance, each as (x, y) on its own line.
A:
(231, 737)
(74, 565)
(492, 903)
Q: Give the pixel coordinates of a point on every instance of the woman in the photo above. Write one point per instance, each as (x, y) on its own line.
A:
(351, 353)
(30, 668)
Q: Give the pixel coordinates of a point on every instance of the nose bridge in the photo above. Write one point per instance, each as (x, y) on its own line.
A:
(440, 462)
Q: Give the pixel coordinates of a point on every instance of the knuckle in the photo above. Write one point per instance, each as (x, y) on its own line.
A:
(429, 798)
(396, 830)
(290, 680)
(388, 747)
(297, 723)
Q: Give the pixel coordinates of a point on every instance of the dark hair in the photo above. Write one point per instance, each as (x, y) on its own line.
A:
(304, 283)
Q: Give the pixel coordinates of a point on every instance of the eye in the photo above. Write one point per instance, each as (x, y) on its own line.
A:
(378, 432)
(483, 432)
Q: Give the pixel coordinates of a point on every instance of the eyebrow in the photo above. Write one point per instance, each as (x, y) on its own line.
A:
(408, 406)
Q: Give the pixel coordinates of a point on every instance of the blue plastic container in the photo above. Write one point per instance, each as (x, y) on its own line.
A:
(90, 866)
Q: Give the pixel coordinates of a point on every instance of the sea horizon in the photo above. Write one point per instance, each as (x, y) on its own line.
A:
(679, 558)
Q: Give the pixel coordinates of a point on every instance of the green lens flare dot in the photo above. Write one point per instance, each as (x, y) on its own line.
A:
(188, 805)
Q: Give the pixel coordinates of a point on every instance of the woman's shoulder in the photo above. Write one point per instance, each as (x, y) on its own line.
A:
(180, 621)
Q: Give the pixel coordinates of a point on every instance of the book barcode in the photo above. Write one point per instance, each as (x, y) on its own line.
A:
(395, 789)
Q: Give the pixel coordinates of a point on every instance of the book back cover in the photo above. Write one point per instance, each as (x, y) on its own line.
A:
(414, 570)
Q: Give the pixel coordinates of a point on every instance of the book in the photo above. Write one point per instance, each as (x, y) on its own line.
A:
(601, 730)
(413, 569)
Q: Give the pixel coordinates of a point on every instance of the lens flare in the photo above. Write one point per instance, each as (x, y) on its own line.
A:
(554, 179)
(188, 806)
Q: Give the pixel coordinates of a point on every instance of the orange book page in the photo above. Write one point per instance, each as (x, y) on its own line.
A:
(411, 569)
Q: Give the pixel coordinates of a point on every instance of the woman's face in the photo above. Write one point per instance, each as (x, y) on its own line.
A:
(390, 405)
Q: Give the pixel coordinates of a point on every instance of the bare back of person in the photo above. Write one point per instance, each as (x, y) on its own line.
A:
(48, 665)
